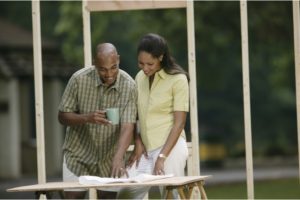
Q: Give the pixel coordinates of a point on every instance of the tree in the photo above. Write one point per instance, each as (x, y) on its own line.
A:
(218, 58)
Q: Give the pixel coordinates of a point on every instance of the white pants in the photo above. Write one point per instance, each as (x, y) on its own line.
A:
(69, 176)
(174, 164)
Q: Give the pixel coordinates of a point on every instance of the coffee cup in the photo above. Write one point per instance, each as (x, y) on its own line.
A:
(112, 115)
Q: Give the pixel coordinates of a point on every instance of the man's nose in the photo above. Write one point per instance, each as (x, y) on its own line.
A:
(109, 73)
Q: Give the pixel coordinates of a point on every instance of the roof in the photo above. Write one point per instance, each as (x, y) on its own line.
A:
(16, 54)
(12, 35)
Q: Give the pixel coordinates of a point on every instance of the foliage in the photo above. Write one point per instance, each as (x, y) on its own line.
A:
(218, 60)
(69, 27)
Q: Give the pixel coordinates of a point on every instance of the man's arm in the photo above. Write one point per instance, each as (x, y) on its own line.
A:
(118, 164)
(73, 119)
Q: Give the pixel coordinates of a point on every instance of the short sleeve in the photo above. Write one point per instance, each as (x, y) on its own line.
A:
(130, 110)
(181, 94)
(69, 99)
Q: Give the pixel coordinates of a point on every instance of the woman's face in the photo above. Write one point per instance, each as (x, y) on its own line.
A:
(148, 63)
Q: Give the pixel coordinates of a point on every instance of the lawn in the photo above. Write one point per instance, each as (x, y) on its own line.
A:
(269, 189)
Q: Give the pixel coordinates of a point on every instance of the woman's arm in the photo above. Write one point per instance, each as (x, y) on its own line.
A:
(178, 126)
(139, 148)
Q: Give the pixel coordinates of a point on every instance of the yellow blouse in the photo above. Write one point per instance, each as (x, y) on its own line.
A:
(168, 93)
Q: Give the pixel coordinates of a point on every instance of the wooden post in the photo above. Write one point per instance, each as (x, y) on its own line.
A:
(195, 165)
(193, 89)
(38, 88)
(86, 35)
(93, 193)
(296, 19)
(247, 106)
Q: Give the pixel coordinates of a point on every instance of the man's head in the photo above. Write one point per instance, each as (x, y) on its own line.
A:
(107, 62)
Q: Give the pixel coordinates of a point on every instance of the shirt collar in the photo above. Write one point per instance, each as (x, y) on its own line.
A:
(162, 74)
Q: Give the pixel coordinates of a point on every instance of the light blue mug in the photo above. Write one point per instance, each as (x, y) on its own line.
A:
(113, 115)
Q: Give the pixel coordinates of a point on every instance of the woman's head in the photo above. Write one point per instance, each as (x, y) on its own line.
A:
(153, 54)
(156, 46)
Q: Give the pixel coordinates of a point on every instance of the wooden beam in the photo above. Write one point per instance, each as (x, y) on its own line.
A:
(133, 5)
(195, 163)
(38, 89)
(296, 20)
(193, 89)
(246, 91)
(87, 46)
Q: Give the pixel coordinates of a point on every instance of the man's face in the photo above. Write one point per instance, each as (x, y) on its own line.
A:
(108, 68)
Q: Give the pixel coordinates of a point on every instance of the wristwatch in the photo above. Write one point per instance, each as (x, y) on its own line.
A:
(161, 155)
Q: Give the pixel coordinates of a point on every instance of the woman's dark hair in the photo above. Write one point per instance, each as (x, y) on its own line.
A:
(156, 45)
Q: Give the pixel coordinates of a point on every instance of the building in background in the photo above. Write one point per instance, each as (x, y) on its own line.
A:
(17, 102)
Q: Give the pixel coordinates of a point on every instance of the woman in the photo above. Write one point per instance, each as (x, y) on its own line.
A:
(163, 103)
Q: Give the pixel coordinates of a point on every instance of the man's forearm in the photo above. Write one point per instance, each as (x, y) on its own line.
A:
(72, 119)
(124, 140)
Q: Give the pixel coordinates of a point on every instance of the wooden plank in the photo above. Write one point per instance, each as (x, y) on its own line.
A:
(202, 191)
(87, 46)
(246, 91)
(55, 186)
(193, 89)
(296, 21)
(93, 193)
(133, 5)
(38, 88)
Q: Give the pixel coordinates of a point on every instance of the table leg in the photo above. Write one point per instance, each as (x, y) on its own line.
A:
(201, 188)
(169, 193)
(42, 195)
(190, 190)
(181, 192)
(93, 193)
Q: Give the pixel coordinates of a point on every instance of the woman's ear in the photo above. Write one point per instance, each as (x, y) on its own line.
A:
(160, 58)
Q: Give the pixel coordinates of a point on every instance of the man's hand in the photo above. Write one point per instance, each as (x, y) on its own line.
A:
(74, 119)
(118, 167)
(98, 117)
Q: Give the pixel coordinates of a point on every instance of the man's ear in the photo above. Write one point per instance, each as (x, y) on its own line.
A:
(119, 59)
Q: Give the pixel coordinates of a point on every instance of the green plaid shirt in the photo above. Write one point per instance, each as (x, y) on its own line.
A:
(89, 148)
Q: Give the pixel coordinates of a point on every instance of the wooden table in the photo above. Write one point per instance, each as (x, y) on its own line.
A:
(184, 186)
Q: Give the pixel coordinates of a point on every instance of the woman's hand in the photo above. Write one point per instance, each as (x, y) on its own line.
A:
(159, 166)
(138, 151)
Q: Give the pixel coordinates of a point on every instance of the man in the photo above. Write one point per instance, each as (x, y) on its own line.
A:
(93, 146)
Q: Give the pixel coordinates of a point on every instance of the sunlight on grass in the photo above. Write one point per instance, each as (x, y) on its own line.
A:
(270, 189)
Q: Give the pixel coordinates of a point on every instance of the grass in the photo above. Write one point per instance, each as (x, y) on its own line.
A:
(268, 189)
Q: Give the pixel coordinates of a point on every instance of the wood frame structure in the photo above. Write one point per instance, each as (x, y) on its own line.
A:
(246, 95)
(193, 165)
(184, 185)
(296, 22)
(93, 6)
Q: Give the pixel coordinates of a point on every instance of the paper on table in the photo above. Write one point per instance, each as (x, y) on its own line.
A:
(94, 180)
